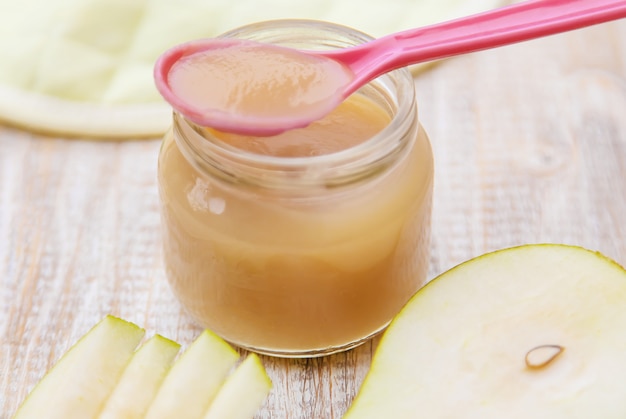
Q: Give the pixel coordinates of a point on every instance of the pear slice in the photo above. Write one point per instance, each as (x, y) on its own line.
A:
(194, 379)
(243, 393)
(141, 379)
(81, 381)
(536, 331)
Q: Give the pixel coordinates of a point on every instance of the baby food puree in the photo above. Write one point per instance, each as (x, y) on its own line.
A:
(250, 79)
(303, 243)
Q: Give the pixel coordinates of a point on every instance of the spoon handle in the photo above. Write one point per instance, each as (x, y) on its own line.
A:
(506, 25)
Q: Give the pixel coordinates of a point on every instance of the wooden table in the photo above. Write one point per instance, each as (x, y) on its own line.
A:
(530, 146)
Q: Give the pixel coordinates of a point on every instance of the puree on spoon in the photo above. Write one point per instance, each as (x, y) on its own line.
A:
(266, 85)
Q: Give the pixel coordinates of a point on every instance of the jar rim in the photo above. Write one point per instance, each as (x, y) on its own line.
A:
(397, 85)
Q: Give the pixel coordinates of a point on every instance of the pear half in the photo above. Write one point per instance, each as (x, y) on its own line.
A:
(81, 381)
(536, 331)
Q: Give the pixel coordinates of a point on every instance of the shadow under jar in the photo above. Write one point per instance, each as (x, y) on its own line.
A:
(308, 243)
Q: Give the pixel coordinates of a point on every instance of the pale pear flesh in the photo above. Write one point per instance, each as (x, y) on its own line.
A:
(141, 379)
(194, 380)
(80, 382)
(108, 374)
(459, 348)
(243, 392)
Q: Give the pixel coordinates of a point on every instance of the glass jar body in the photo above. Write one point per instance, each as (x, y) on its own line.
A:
(298, 256)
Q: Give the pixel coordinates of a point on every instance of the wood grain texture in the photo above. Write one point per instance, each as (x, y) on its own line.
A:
(530, 146)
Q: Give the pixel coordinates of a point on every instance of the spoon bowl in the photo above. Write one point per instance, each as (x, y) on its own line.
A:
(276, 92)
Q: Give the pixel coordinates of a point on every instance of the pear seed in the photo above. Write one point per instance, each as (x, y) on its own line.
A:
(541, 356)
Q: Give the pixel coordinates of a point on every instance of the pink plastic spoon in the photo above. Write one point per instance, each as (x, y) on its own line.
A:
(507, 25)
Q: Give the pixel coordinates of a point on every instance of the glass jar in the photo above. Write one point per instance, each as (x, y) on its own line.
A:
(299, 256)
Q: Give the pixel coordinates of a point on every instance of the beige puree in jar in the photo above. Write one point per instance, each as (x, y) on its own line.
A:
(309, 242)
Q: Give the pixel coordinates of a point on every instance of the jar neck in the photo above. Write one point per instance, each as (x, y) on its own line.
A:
(211, 156)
